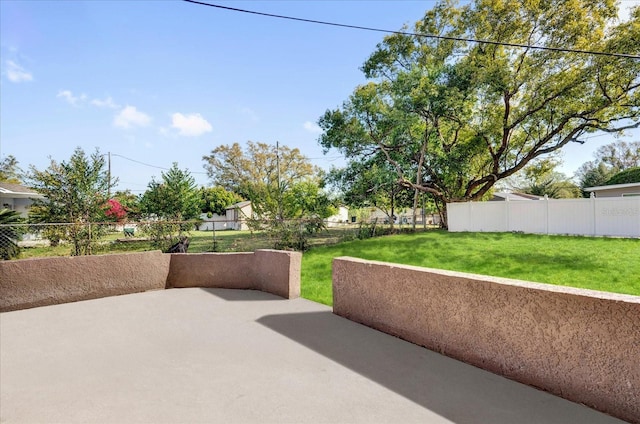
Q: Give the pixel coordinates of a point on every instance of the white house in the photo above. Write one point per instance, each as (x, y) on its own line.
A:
(17, 197)
(341, 217)
(235, 218)
(615, 190)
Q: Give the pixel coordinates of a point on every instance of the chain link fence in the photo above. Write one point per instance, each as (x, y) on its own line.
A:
(73, 239)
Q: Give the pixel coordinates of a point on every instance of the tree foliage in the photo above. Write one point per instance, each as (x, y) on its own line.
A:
(619, 155)
(9, 235)
(114, 210)
(10, 171)
(215, 200)
(176, 197)
(453, 117)
(129, 202)
(609, 160)
(75, 192)
(631, 175)
(540, 178)
(371, 184)
(267, 176)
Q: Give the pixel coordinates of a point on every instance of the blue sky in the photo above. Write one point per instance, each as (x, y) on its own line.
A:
(167, 81)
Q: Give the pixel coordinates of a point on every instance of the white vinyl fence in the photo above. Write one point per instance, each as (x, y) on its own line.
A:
(606, 216)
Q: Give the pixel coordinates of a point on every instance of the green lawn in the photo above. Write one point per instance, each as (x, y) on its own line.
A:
(200, 241)
(606, 264)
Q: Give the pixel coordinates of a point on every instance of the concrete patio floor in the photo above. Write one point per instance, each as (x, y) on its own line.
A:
(216, 355)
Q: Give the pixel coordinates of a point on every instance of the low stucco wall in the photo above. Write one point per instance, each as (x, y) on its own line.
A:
(27, 283)
(215, 270)
(582, 345)
(272, 271)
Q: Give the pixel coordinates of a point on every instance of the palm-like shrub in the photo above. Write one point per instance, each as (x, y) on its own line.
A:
(9, 234)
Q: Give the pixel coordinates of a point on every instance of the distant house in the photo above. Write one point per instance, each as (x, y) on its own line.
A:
(403, 216)
(17, 197)
(341, 217)
(615, 190)
(502, 196)
(239, 213)
(235, 218)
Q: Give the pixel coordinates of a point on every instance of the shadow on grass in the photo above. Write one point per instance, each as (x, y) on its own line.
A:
(459, 392)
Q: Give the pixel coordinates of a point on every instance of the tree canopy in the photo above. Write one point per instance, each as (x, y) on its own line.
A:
(372, 184)
(267, 175)
(217, 199)
(10, 171)
(176, 197)
(609, 160)
(454, 117)
(76, 192)
(631, 175)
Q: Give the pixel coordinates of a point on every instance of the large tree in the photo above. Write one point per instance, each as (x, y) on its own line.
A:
(176, 197)
(75, 192)
(261, 173)
(454, 117)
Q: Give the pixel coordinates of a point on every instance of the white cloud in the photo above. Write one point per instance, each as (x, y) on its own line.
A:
(106, 103)
(191, 125)
(312, 127)
(70, 98)
(131, 117)
(17, 73)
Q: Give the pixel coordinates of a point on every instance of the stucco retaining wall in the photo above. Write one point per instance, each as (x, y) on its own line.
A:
(28, 283)
(216, 270)
(272, 271)
(582, 345)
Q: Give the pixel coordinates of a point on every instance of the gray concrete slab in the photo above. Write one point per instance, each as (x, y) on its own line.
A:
(215, 355)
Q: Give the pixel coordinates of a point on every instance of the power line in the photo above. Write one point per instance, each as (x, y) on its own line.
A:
(440, 37)
(151, 166)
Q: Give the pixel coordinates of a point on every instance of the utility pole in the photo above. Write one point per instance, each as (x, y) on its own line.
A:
(278, 178)
(109, 176)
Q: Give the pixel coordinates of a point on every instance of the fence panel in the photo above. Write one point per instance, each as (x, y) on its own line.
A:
(570, 216)
(528, 217)
(618, 216)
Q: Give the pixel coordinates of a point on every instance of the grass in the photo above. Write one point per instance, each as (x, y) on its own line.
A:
(605, 264)
(199, 241)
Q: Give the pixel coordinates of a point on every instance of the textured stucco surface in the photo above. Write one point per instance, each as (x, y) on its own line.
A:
(272, 271)
(579, 344)
(221, 270)
(28, 283)
(36, 282)
(278, 272)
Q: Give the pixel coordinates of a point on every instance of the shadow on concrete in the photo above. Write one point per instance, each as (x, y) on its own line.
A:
(234, 295)
(457, 391)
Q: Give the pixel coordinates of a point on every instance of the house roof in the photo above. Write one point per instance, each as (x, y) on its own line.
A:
(239, 205)
(16, 190)
(514, 196)
(613, 187)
